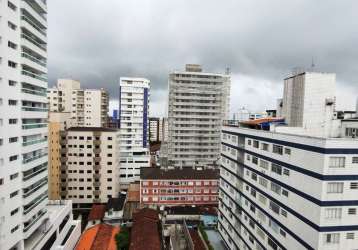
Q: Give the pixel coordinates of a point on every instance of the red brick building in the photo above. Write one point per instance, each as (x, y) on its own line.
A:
(175, 187)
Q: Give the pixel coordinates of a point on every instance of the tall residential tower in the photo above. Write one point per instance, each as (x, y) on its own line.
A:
(198, 103)
(28, 220)
(134, 126)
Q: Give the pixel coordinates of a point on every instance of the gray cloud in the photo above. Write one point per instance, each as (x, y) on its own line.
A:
(98, 41)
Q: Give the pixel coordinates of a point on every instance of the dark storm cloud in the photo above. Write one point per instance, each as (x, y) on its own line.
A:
(97, 41)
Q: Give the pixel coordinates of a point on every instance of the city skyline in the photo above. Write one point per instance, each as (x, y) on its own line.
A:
(260, 42)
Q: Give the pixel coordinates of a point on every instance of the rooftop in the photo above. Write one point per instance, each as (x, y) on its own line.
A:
(133, 193)
(98, 237)
(92, 129)
(97, 212)
(190, 210)
(185, 173)
(145, 230)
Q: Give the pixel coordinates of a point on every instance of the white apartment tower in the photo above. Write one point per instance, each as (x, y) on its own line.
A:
(88, 107)
(291, 187)
(198, 103)
(134, 127)
(309, 101)
(27, 219)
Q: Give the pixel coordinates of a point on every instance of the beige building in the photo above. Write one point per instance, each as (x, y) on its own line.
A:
(58, 121)
(88, 107)
(89, 165)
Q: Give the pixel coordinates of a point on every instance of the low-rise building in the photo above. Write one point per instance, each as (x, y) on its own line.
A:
(101, 236)
(114, 209)
(184, 186)
(89, 165)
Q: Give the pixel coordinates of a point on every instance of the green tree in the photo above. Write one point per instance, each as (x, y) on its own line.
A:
(122, 239)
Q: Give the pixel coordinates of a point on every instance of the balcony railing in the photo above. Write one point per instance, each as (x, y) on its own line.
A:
(39, 171)
(33, 92)
(38, 200)
(35, 220)
(34, 42)
(32, 126)
(33, 190)
(27, 143)
(29, 21)
(33, 75)
(34, 109)
(24, 161)
(34, 59)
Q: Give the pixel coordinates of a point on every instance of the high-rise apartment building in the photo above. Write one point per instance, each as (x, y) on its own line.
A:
(89, 165)
(133, 123)
(291, 187)
(198, 103)
(27, 219)
(158, 129)
(88, 107)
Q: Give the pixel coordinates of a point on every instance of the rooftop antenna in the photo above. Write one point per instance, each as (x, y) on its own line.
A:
(312, 63)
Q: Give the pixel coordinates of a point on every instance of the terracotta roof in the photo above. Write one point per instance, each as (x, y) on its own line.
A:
(98, 237)
(177, 174)
(190, 210)
(198, 242)
(97, 212)
(145, 230)
(262, 120)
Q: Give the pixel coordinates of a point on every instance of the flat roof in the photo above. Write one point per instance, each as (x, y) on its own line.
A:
(90, 129)
(186, 173)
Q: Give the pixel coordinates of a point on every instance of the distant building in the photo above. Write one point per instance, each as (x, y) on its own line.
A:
(155, 134)
(115, 209)
(271, 112)
(184, 186)
(245, 115)
(134, 126)
(88, 107)
(198, 103)
(89, 165)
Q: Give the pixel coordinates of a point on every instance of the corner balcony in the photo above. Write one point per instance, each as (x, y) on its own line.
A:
(32, 26)
(36, 9)
(35, 191)
(35, 224)
(33, 61)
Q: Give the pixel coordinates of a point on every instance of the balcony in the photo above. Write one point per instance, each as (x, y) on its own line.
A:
(63, 176)
(33, 41)
(39, 216)
(29, 191)
(34, 76)
(97, 142)
(33, 92)
(96, 192)
(97, 167)
(38, 200)
(97, 184)
(64, 159)
(98, 159)
(97, 151)
(27, 175)
(34, 59)
(27, 160)
(33, 142)
(96, 176)
(63, 193)
(26, 18)
(33, 126)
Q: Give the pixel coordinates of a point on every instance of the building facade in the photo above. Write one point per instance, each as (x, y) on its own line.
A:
(89, 165)
(88, 107)
(198, 103)
(134, 127)
(25, 211)
(155, 132)
(174, 187)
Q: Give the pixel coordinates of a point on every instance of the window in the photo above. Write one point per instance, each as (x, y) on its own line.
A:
(11, 64)
(337, 162)
(13, 194)
(11, 45)
(350, 236)
(284, 213)
(334, 187)
(11, 25)
(255, 160)
(286, 172)
(264, 164)
(352, 211)
(13, 158)
(13, 139)
(12, 121)
(354, 185)
(11, 5)
(272, 244)
(12, 83)
(256, 144)
(254, 176)
(14, 176)
(15, 229)
(15, 211)
(276, 169)
(355, 160)
(264, 146)
(333, 213)
(263, 182)
(12, 102)
(287, 151)
(276, 188)
(277, 149)
(274, 207)
(285, 192)
(332, 238)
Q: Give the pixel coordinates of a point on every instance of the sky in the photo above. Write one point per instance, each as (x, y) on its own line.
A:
(98, 41)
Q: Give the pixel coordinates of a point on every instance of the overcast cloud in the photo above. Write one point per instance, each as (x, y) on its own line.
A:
(97, 41)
